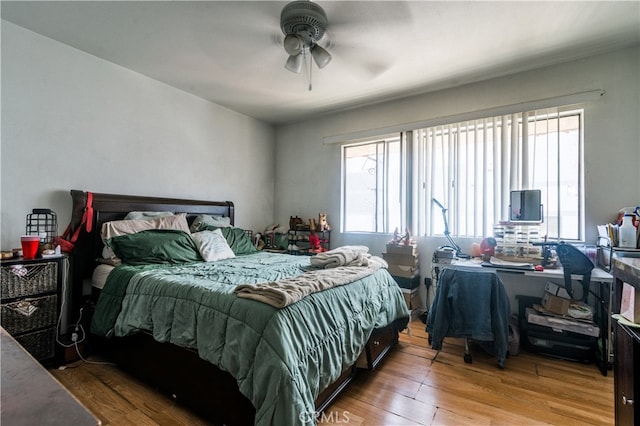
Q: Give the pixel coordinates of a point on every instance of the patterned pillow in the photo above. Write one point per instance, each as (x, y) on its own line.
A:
(212, 245)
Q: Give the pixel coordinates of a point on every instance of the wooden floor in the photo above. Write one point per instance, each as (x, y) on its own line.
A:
(415, 385)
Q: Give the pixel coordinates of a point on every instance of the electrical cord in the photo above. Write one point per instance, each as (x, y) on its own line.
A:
(63, 303)
(78, 335)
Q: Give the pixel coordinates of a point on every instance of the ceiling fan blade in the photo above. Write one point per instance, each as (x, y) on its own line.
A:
(364, 61)
(229, 18)
(362, 43)
(370, 15)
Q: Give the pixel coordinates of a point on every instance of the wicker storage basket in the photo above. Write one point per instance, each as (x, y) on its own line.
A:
(25, 280)
(40, 344)
(16, 319)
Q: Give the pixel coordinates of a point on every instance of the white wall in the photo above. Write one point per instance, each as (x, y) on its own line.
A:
(308, 171)
(73, 121)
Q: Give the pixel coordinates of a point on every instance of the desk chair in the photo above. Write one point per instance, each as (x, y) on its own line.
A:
(470, 304)
(575, 262)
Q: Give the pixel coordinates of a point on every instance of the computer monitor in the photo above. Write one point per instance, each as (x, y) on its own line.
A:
(525, 206)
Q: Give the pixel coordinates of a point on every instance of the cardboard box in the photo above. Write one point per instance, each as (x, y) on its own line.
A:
(406, 249)
(630, 303)
(556, 290)
(412, 298)
(401, 259)
(402, 271)
(555, 304)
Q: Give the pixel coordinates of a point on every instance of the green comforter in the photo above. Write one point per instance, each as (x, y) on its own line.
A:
(281, 358)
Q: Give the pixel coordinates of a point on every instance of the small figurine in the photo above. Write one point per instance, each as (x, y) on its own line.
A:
(322, 222)
(295, 222)
(407, 237)
(314, 243)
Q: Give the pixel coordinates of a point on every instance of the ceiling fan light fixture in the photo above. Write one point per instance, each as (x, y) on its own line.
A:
(320, 56)
(293, 44)
(294, 63)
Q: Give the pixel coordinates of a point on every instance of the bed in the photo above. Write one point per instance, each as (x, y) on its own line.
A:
(187, 328)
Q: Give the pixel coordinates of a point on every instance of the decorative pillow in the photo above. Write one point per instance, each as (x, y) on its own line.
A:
(146, 215)
(124, 227)
(203, 222)
(155, 246)
(239, 242)
(237, 239)
(212, 245)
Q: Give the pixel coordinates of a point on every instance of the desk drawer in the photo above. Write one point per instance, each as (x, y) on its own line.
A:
(380, 342)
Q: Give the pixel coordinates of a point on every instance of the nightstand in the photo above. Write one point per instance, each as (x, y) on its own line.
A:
(30, 303)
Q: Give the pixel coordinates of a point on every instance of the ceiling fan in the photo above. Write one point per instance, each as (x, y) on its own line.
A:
(304, 24)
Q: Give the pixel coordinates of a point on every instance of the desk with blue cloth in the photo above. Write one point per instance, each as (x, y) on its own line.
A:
(601, 286)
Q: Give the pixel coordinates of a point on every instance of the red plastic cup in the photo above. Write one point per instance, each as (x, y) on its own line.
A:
(30, 245)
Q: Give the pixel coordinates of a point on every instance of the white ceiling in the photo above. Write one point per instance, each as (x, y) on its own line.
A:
(230, 52)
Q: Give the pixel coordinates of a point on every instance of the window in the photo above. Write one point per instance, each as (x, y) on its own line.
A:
(470, 168)
(372, 186)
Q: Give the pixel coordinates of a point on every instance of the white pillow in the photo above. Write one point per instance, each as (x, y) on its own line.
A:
(212, 245)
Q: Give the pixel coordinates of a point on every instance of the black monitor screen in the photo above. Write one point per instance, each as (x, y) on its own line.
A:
(525, 206)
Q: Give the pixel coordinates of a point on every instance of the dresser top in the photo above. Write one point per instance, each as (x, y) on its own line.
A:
(40, 259)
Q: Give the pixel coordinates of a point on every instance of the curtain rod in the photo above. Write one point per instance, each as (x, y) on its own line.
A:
(556, 101)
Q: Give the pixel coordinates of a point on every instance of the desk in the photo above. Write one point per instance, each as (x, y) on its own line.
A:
(32, 396)
(601, 282)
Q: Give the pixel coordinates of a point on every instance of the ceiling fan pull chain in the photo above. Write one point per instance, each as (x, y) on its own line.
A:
(310, 68)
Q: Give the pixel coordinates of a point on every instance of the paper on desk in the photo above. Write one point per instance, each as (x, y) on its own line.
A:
(500, 262)
(608, 232)
(603, 231)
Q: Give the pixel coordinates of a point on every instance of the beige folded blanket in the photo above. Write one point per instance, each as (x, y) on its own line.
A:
(346, 256)
(289, 290)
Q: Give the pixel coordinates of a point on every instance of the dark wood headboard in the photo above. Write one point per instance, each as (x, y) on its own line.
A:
(108, 207)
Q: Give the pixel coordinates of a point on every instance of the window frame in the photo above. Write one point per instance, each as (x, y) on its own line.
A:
(382, 214)
(415, 173)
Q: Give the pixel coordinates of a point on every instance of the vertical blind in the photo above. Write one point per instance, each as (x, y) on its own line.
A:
(470, 167)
